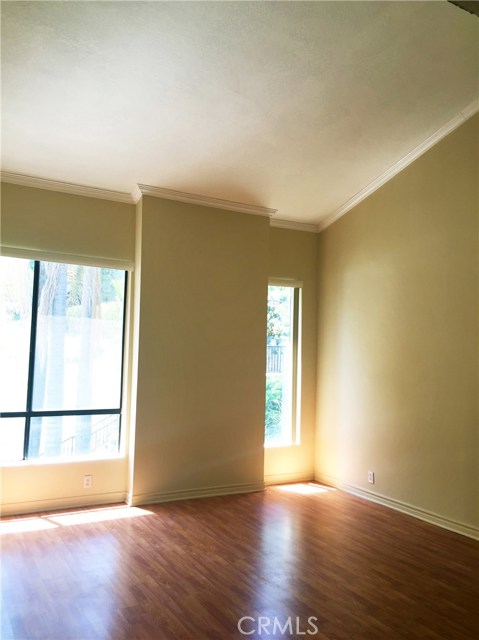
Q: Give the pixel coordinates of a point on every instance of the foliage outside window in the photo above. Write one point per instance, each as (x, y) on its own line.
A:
(282, 372)
(61, 351)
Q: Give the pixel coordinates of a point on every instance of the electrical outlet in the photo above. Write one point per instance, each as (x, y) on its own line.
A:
(371, 477)
(87, 482)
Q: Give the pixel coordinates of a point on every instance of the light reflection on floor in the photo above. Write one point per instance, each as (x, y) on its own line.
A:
(38, 523)
(281, 537)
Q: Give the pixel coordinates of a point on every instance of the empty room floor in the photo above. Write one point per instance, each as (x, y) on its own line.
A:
(302, 561)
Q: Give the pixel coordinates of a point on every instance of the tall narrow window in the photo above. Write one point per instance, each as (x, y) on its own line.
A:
(282, 366)
(61, 354)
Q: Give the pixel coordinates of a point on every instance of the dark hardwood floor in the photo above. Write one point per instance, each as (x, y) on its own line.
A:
(286, 563)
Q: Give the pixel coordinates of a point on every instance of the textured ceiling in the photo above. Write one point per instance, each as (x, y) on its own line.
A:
(296, 106)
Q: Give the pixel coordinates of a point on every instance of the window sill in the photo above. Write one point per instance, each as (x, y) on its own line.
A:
(63, 461)
(281, 445)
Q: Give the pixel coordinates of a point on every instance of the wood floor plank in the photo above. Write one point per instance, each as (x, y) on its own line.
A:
(191, 570)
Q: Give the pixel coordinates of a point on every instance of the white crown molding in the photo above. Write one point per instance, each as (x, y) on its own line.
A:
(409, 158)
(181, 196)
(470, 110)
(295, 226)
(204, 201)
(65, 187)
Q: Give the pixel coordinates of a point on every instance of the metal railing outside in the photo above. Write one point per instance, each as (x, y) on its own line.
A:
(274, 358)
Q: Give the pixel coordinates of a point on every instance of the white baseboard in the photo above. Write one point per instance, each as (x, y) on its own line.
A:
(71, 502)
(285, 478)
(403, 507)
(135, 500)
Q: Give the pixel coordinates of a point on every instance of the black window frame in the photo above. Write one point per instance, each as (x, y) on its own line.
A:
(30, 413)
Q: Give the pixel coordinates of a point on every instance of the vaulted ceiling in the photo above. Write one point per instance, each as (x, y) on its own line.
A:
(303, 107)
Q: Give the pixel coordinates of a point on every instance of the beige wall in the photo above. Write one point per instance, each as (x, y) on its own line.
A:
(69, 227)
(398, 338)
(397, 383)
(293, 254)
(196, 346)
(35, 486)
(201, 351)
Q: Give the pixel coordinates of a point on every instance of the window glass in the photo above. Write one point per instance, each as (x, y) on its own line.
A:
(16, 286)
(75, 435)
(79, 337)
(12, 432)
(61, 359)
(281, 365)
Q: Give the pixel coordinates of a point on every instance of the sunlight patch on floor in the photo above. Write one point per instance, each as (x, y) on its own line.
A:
(38, 523)
(304, 488)
(98, 515)
(22, 525)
